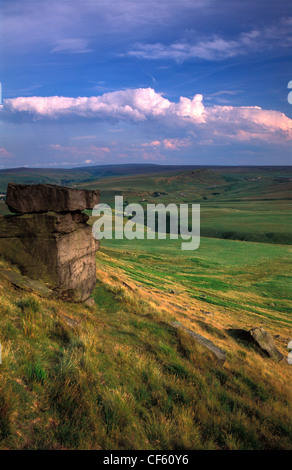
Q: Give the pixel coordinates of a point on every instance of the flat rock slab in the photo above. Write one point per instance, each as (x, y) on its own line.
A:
(24, 282)
(23, 198)
(219, 353)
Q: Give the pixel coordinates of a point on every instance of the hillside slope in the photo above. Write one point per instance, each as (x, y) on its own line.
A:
(118, 376)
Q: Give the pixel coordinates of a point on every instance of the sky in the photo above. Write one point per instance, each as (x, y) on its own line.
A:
(90, 82)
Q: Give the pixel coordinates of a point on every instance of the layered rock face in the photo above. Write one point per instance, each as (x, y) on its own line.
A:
(49, 238)
(25, 198)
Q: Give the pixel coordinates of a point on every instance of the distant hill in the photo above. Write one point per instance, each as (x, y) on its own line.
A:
(82, 174)
(93, 173)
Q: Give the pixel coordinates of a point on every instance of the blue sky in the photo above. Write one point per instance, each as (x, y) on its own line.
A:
(172, 81)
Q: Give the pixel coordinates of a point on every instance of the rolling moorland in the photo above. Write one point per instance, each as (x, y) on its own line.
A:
(117, 375)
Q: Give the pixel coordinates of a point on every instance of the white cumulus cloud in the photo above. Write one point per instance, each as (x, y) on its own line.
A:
(143, 104)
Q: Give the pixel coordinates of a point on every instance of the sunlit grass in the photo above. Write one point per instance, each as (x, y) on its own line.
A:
(117, 376)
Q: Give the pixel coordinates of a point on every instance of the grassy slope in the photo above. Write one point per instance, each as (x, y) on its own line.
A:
(251, 278)
(117, 376)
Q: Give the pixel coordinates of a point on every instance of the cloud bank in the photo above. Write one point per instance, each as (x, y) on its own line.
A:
(242, 123)
(134, 104)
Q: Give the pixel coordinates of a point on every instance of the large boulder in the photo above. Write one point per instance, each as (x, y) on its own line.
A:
(22, 198)
(49, 238)
(65, 261)
(265, 342)
(260, 339)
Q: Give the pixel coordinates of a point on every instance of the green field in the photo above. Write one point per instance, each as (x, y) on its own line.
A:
(244, 258)
(254, 278)
(252, 205)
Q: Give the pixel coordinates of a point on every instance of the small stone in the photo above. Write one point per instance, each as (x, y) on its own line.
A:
(89, 302)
